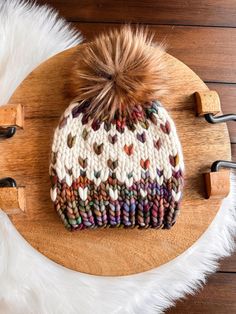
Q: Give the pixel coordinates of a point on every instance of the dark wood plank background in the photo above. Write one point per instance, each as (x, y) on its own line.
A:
(203, 35)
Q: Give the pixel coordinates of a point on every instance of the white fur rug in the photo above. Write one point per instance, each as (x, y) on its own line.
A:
(29, 282)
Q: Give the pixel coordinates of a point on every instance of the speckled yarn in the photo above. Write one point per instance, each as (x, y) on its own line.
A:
(119, 173)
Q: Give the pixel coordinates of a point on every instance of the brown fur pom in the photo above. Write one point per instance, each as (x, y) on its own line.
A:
(118, 71)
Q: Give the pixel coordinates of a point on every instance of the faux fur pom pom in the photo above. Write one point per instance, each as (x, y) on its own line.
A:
(118, 71)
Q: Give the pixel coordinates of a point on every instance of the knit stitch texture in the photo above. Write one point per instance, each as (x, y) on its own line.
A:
(121, 173)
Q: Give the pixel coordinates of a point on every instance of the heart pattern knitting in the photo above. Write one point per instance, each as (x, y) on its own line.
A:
(145, 163)
(112, 164)
(112, 139)
(98, 148)
(141, 137)
(116, 173)
(129, 149)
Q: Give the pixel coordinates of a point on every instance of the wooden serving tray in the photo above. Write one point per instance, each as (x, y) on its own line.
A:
(25, 157)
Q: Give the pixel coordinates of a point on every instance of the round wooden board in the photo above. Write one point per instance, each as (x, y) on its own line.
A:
(25, 157)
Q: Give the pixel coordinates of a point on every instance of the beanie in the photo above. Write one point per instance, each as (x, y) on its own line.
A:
(116, 158)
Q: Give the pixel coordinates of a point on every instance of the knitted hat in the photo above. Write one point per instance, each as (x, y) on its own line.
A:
(116, 158)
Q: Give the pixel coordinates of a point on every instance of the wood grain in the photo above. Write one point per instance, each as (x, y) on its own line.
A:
(130, 251)
(218, 297)
(233, 152)
(196, 47)
(228, 264)
(210, 12)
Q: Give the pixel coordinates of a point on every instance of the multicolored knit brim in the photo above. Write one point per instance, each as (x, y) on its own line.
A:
(119, 173)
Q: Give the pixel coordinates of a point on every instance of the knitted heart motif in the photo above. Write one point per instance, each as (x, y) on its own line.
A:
(70, 140)
(166, 127)
(120, 126)
(98, 148)
(112, 139)
(141, 137)
(157, 144)
(85, 134)
(83, 162)
(145, 163)
(113, 194)
(112, 164)
(129, 149)
(97, 174)
(83, 193)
